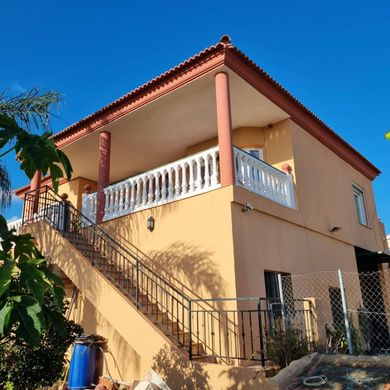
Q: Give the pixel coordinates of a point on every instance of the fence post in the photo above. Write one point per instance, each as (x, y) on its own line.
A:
(345, 312)
(280, 284)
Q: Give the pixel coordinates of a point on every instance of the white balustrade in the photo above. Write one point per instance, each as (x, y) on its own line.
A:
(257, 176)
(15, 224)
(178, 180)
(89, 206)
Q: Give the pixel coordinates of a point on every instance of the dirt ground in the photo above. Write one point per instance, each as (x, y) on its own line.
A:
(346, 377)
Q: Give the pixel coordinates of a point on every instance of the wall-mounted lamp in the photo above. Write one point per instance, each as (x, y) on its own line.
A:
(335, 229)
(150, 224)
(247, 207)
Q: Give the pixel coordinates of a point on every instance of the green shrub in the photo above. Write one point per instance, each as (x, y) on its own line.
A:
(284, 346)
(337, 338)
(28, 367)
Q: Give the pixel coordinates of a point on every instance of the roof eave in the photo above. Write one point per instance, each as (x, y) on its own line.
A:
(198, 65)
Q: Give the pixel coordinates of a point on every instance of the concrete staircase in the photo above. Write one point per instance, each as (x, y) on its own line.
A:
(151, 308)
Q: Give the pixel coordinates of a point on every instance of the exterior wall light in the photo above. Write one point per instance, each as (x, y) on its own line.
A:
(247, 207)
(335, 229)
(150, 224)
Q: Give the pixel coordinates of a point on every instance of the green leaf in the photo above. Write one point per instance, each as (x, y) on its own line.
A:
(5, 315)
(5, 276)
(24, 246)
(29, 315)
(56, 319)
(56, 287)
(34, 279)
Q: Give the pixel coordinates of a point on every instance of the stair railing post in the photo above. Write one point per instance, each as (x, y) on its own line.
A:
(190, 329)
(137, 284)
(345, 312)
(93, 244)
(262, 356)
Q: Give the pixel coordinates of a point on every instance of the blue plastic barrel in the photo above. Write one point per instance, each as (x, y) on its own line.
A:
(83, 366)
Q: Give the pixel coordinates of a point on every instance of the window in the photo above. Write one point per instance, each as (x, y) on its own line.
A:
(255, 152)
(336, 307)
(358, 195)
(272, 291)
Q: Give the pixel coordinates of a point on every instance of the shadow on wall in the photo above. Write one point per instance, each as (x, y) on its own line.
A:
(243, 379)
(180, 373)
(118, 352)
(191, 264)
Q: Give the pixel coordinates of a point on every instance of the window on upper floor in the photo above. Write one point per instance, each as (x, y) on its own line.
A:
(255, 152)
(358, 195)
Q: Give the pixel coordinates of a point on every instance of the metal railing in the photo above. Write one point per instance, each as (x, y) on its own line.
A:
(242, 329)
(229, 329)
(157, 298)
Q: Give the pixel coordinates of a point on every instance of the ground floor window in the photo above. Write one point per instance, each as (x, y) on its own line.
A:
(272, 291)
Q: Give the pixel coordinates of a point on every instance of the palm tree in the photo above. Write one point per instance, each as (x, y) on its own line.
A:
(25, 130)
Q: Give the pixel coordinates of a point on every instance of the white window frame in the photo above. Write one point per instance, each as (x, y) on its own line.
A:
(258, 150)
(360, 204)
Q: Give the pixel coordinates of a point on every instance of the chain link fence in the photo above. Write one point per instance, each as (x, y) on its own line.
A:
(350, 310)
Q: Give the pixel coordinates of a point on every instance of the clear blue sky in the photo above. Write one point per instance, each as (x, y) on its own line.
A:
(333, 56)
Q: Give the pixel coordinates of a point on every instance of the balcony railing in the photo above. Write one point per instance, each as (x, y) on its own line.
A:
(183, 178)
(187, 177)
(15, 224)
(257, 176)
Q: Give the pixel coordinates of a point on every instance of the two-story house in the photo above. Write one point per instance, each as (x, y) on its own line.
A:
(189, 195)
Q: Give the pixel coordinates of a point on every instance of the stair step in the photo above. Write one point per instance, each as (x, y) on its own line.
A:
(125, 283)
(205, 359)
(197, 349)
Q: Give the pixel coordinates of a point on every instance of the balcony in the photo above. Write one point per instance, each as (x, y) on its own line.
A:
(15, 225)
(193, 175)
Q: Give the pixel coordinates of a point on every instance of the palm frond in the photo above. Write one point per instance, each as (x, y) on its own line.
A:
(5, 188)
(31, 109)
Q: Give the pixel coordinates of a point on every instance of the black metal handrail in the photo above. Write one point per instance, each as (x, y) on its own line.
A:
(233, 331)
(158, 298)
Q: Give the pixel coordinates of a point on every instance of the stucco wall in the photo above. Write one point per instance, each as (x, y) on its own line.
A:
(324, 189)
(192, 239)
(136, 344)
(274, 140)
(275, 238)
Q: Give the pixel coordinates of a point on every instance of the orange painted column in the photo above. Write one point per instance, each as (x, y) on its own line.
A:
(103, 173)
(34, 185)
(224, 123)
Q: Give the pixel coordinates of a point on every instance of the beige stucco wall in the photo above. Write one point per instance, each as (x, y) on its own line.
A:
(274, 140)
(275, 238)
(213, 248)
(192, 239)
(324, 189)
(134, 342)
